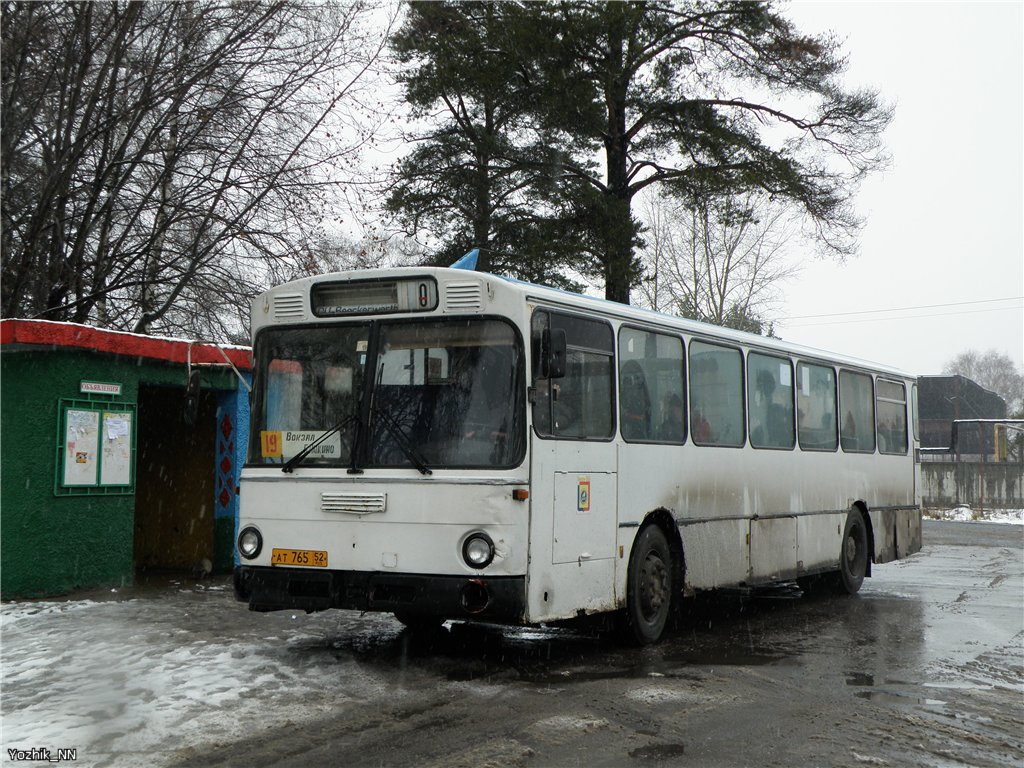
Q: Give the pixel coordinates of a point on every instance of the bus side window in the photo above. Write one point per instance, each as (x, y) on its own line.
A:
(651, 391)
(716, 395)
(579, 404)
(914, 412)
(770, 401)
(816, 407)
(891, 405)
(856, 412)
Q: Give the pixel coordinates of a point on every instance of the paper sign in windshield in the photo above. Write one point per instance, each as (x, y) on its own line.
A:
(283, 444)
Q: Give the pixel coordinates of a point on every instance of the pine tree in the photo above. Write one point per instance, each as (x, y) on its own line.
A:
(484, 172)
(711, 99)
(554, 116)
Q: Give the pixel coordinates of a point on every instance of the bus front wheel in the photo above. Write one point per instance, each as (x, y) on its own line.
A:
(853, 554)
(649, 587)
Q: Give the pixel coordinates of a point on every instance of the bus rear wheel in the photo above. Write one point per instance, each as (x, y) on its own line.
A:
(853, 555)
(649, 587)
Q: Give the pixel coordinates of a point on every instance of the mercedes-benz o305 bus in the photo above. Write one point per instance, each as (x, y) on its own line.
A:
(446, 444)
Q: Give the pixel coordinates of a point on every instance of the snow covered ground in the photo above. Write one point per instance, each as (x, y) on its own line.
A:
(156, 674)
(965, 514)
(133, 681)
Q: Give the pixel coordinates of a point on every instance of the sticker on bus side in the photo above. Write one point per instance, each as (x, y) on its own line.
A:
(583, 495)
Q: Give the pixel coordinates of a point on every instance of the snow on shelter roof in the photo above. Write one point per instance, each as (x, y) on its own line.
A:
(47, 333)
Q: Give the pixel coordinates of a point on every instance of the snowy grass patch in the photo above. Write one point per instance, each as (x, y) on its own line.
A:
(966, 514)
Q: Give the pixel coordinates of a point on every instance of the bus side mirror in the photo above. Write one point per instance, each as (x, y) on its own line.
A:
(553, 354)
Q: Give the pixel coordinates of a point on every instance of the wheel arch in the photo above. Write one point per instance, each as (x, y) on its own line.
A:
(862, 506)
(662, 518)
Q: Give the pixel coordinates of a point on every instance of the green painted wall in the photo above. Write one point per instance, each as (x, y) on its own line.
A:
(54, 544)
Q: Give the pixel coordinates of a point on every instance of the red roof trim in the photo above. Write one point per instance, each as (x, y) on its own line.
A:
(46, 333)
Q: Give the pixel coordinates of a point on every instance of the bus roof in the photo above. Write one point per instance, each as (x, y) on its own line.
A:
(604, 307)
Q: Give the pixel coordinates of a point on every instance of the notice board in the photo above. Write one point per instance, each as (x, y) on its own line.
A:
(95, 448)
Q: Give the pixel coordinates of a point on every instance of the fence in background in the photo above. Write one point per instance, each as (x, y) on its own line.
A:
(991, 476)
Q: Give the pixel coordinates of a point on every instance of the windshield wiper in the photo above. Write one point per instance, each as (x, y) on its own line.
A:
(289, 466)
(402, 441)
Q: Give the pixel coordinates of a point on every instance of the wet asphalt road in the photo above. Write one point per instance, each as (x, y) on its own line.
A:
(925, 667)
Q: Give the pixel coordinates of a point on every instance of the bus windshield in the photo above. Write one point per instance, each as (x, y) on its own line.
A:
(445, 394)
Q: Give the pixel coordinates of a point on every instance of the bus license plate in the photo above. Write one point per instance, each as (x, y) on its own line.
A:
(310, 558)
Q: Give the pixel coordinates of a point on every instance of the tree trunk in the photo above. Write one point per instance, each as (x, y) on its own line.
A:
(482, 201)
(618, 255)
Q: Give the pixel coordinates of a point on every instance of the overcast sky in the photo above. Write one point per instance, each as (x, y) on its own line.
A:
(945, 225)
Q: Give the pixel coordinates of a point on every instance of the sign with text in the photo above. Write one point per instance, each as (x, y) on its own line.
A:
(100, 388)
(95, 448)
(283, 444)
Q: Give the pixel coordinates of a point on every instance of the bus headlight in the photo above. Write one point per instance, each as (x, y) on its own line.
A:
(478, 550)
(250, 543)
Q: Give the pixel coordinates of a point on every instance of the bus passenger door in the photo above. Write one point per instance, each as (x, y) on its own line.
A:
(573, 524)
(572, 560)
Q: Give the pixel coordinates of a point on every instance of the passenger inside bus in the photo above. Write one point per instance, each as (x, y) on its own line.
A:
(699, 426)
(636, 403)
(671, 428)
(849, 432)
(771, 415)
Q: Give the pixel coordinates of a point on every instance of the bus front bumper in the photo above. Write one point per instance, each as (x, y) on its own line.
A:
(481, 598)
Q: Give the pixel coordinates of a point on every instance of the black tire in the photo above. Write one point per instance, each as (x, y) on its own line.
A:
(650, 587)
(853, 555)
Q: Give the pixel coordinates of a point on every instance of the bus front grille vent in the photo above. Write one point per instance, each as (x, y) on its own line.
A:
(353, 503)
(289, 306)
(463, 297)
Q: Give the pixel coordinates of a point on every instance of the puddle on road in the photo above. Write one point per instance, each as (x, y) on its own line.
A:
(658, 752)
(860, 679)
(600, 673)
(726, 657)
(890, 697)
(864, 680)
(961, 686)
(725, 633)
(724, 630)
(542, 656)
(550, 677)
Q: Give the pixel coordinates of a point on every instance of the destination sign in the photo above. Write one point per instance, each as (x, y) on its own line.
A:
(283, 444)
(374, 297)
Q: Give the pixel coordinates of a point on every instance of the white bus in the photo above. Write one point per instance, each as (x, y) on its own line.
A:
(446, 444)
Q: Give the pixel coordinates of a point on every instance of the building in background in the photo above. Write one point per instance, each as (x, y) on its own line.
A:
(942, 400)
(970, 451)
(120, 455)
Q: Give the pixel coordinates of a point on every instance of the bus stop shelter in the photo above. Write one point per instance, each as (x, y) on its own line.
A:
(120, 455)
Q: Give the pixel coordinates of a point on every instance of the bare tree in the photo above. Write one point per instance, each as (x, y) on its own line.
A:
(164, 159)
(719, 260)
